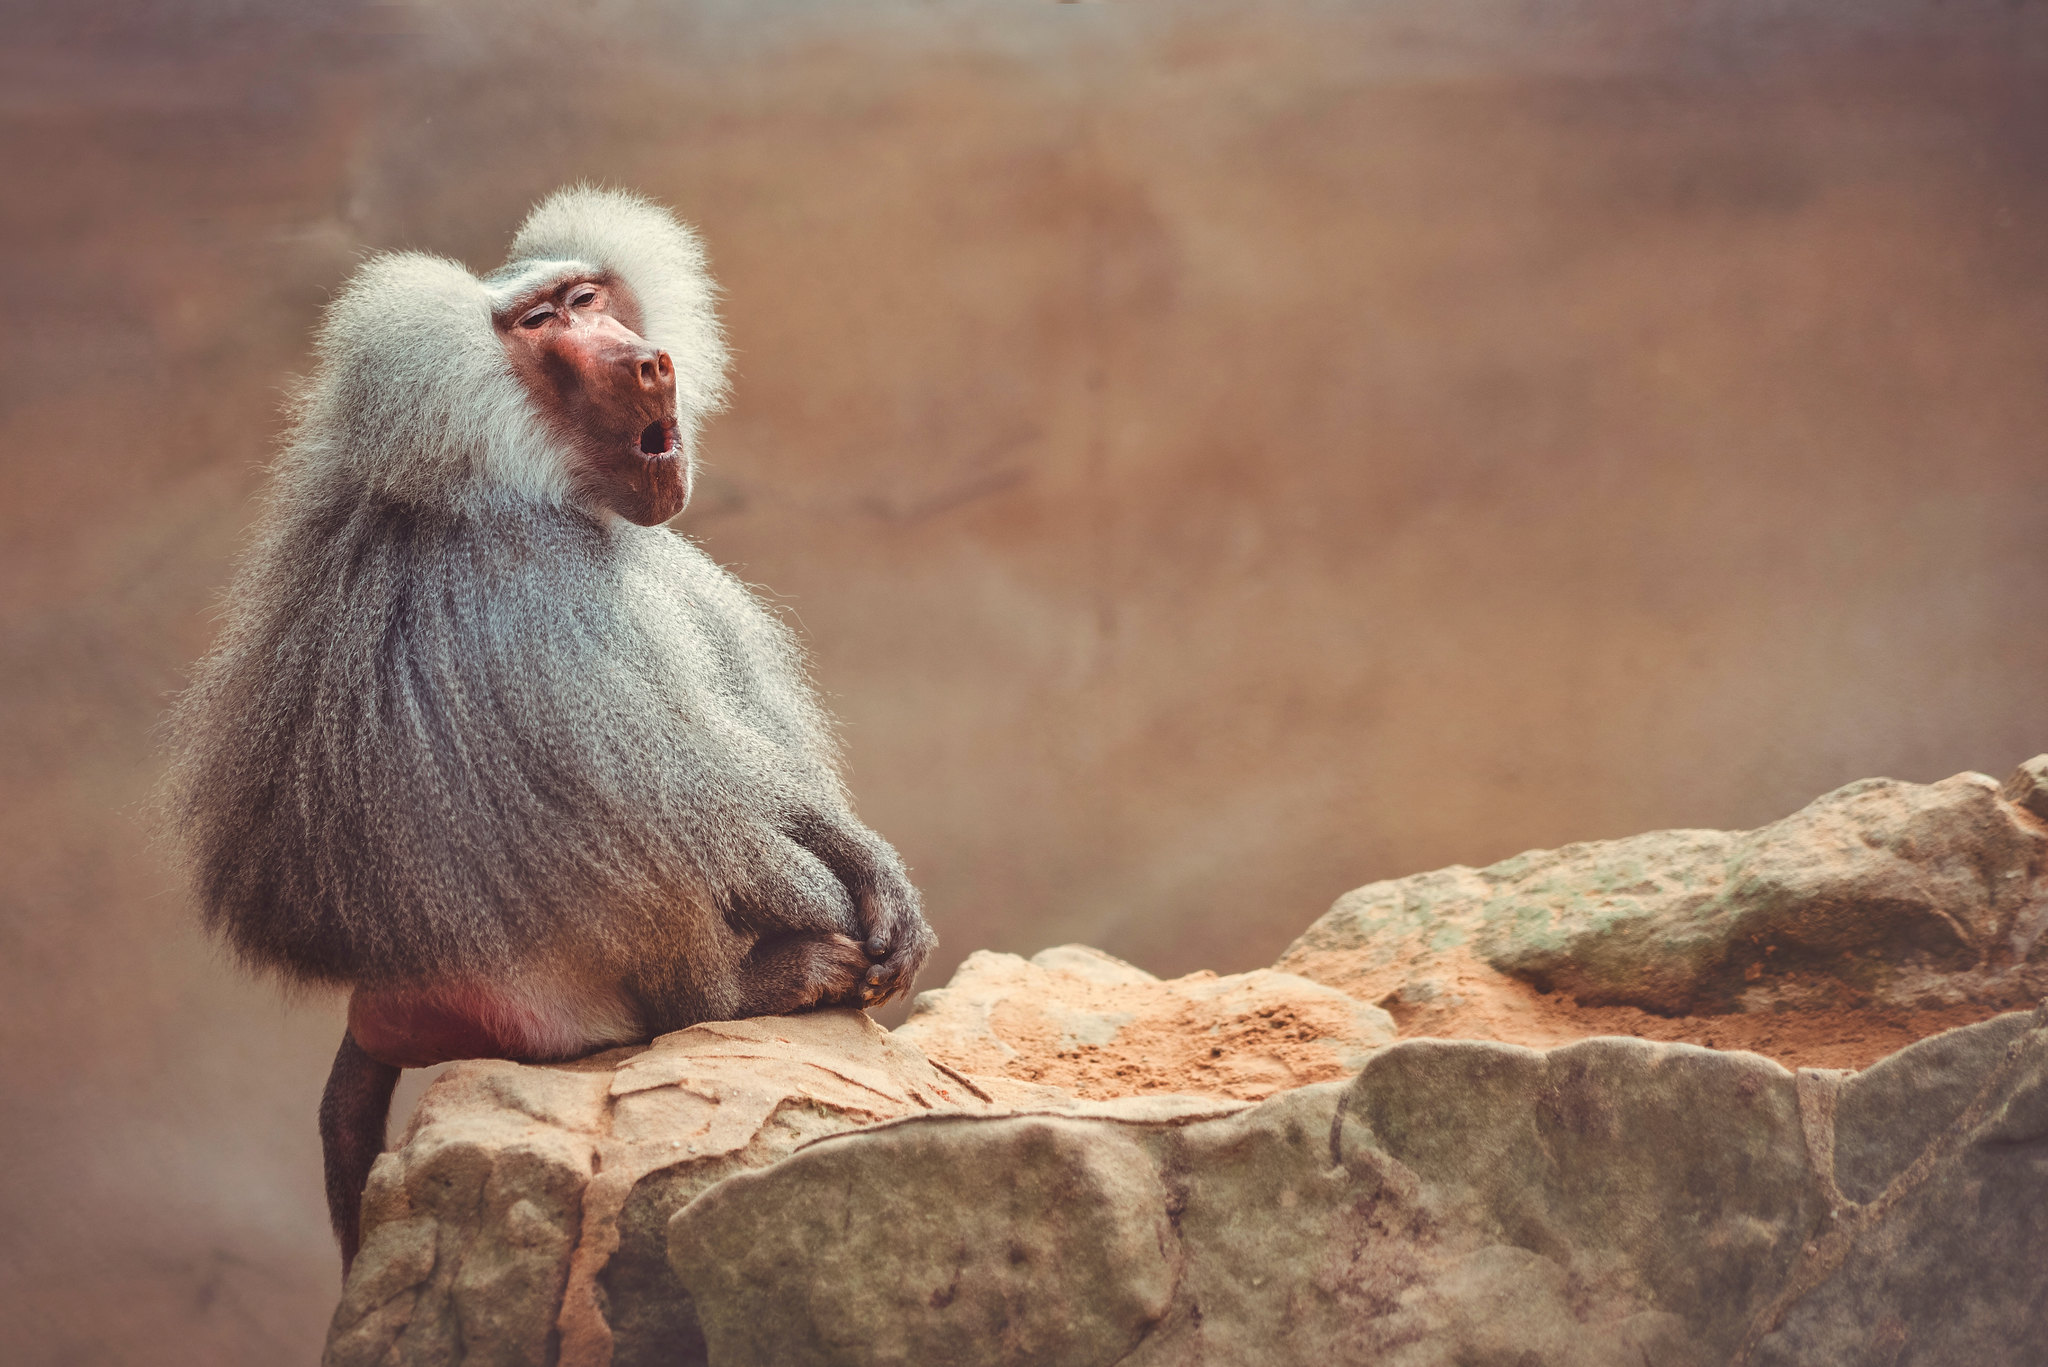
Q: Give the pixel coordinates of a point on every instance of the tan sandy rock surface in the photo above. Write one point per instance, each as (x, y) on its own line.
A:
(1398, 1146)
(1075, 1018)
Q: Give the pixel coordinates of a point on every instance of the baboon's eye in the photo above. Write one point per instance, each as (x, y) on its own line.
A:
(583, 297)
(537, 317)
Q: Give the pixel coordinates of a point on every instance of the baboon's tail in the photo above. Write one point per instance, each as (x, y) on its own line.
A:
(352, 1115)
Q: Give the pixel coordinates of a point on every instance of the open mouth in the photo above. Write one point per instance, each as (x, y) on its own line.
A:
(658, 439)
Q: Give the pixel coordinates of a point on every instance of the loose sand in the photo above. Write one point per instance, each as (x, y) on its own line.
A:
(1255, 1053)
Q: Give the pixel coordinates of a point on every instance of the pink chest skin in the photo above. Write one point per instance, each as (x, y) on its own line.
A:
(417, 1027)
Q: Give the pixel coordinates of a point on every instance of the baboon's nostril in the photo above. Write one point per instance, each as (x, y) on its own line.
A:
(656, 371)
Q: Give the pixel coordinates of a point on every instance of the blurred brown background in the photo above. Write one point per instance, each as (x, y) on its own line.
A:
(1218, 459)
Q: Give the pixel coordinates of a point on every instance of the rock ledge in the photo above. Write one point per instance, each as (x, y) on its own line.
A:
(1067, 1160)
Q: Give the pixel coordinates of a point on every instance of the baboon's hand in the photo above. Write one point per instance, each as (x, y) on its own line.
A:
(886, 906)
(898, 939)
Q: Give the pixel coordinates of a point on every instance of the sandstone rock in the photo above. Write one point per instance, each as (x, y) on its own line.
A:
(1078, 1019)
(523, 1218)
(1880, 893)
(1609, 1202)
(2027, 788)
(1940, 1254)
(1036, 1240)
(1067, 1160)
(523, 1215)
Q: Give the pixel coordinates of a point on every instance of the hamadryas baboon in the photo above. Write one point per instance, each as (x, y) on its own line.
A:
(481, 739)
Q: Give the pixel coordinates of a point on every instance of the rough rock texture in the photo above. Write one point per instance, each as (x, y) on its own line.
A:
(1614, 1201)
(1067, 1160)
(1886, 898)
(522, 1218)
(1075, 1018)
(526, 1202)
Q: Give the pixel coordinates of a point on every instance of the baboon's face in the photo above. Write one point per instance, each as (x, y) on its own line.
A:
(608, 392)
